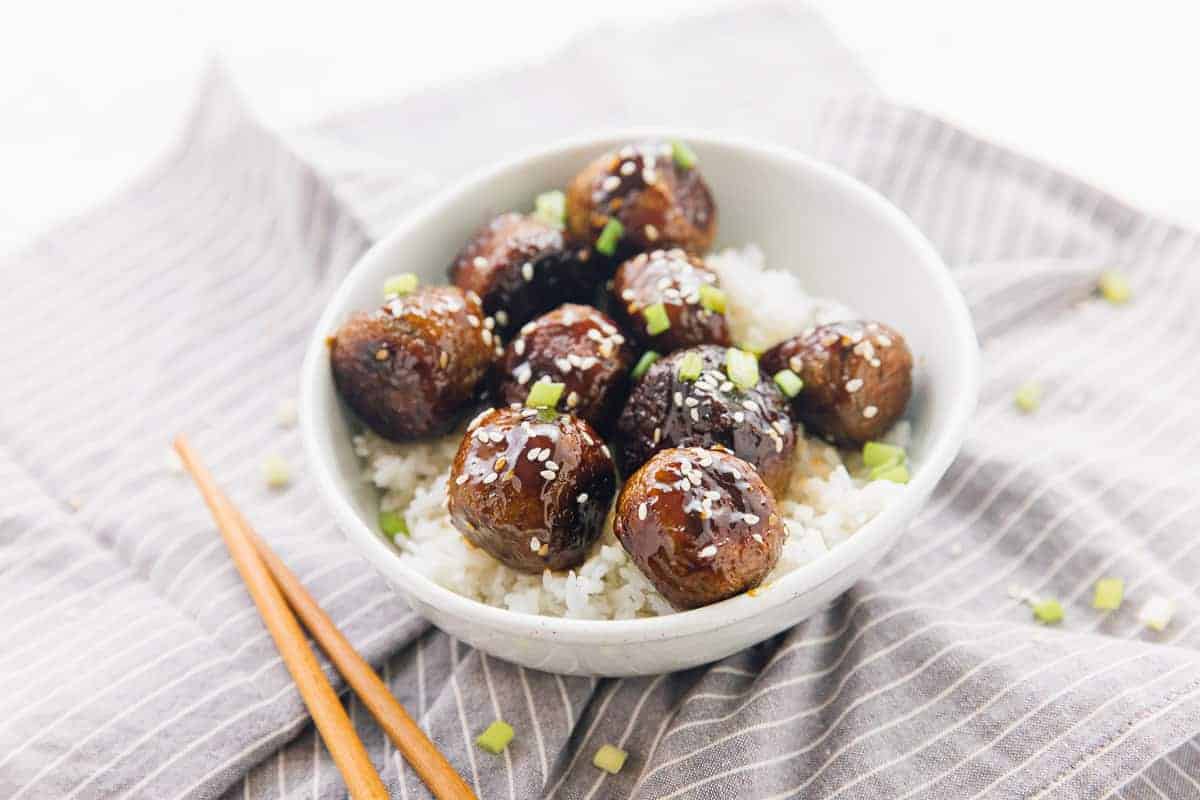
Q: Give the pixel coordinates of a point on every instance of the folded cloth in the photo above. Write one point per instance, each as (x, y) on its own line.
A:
(133, 663)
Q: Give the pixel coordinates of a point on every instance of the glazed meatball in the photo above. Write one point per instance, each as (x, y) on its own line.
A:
(683, 284)
(532, 488)
(666, 409)
(857, 379)
(577, 346)
(521, 267)
(410, 369)
(658, 202)
(700, 524)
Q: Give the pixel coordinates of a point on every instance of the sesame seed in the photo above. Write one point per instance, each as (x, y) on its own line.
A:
(757, 537)
(610, 183)
(706, 461)
(749, 405)
(695, 415)
(628, 168)
(708, 552)
(473, 320)
(595, 335)
(875, 362)
(588, 362)
(500, 464)
(606, 348)
(550, 465)
(854, 384)
(582, 498)
(692, 402)
(563, 364)
(381, 354)
(648, 175)
(651, 232)
(752, 519)
(461, 479)
(587, 438)
(519, 347)
(883, 341)
(497, 437)
(487, 337)
(678, 399)
(527, 271)
(491, 477)
(535, 544)
(739, 417)
(532, 455)
(726, 386)
(572, 399)
(548, 475)
(542, 456)
(604, 449)
(527, 328)
(657, 434)
(502, 317)
(523, 374)
(480, 261)
(642, 511)
(779, 426)
(444, 359)
(489, 323)
(870, 411)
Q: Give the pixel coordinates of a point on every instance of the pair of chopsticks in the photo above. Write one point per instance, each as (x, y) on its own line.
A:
(270, 581)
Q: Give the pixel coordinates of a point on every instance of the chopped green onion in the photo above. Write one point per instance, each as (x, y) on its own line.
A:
(644, 363)
(276, 471)
(683, 155)
(712, 298)
(879, 454)
(1109, 593)
(1157, 613)
(496, 737)
(741, 367)
(896, 473)
(610, 759)
(400, 285)
(788, 382)
(1048, 612)
(656, 318)
(690, 366)
(1028, 396)
(1114, 287)
(544, 394)
(392, 523)
(606, 242)
(551, 208)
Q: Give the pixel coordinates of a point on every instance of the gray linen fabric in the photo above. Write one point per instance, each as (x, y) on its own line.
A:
(133, 663)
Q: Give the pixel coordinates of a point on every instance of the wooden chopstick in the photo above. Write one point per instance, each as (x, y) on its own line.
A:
(343, 743)
(410, 740)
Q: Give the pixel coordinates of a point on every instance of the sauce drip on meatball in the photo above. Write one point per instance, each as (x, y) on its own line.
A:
(657, 202)
(577, 346)
(681, 284)
(668, 410)
(700, 524)
(857, 379)
(410, 369)
(531, 487)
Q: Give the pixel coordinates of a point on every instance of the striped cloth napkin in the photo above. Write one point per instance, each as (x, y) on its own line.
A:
(134, 665)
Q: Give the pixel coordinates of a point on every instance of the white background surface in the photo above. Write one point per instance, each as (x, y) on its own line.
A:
(90, 92)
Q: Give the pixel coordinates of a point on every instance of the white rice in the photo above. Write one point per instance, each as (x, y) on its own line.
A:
(828, 499)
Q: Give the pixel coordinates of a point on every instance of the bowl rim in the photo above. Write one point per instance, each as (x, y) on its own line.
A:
(873, 538)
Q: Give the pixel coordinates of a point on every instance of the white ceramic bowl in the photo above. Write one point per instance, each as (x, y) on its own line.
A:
(844, 240)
